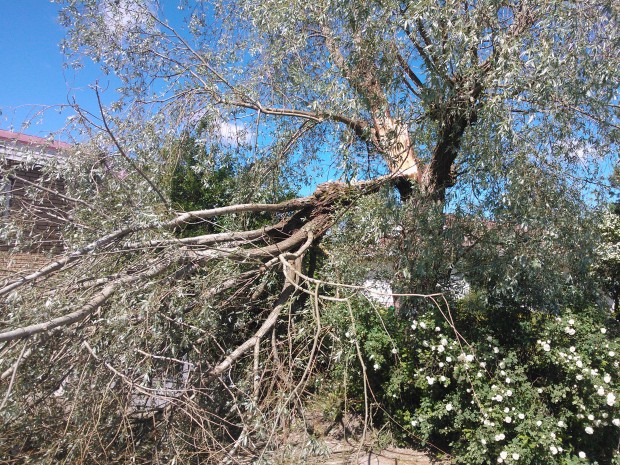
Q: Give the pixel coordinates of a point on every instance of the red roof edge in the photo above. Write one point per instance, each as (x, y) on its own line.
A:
(25, 139)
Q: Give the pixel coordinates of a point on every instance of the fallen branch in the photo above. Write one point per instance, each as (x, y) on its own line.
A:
(93, 304)
(251, 342)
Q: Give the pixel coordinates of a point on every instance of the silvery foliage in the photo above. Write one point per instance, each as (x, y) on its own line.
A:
(533, 84)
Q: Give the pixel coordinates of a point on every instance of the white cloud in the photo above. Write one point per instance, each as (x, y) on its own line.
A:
(228, 133)
(235, 134)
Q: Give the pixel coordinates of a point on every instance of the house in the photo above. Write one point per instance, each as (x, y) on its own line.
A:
(29, 201)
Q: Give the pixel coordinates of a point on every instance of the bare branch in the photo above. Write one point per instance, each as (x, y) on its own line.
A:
(122, 151)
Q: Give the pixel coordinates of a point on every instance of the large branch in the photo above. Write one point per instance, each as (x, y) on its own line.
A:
(359, 127)
(85, 310)
(460, 111)
(390, 135)
(313, 219)
(180, 220)
(269, 322)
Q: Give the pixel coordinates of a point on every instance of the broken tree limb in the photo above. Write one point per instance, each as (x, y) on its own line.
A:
(85, 310)
(251, 342)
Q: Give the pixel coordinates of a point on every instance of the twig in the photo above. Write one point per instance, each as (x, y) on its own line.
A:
(15, 366)
(124, 155)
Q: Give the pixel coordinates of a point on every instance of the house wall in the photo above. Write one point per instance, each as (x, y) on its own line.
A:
(40, 214)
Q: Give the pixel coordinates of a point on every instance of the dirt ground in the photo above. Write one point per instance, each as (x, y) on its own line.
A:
(339, 444)
(388, 456)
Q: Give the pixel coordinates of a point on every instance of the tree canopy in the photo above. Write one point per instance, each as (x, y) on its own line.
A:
(200, 307)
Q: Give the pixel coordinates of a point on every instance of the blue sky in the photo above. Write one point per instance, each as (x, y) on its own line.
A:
(32, 75)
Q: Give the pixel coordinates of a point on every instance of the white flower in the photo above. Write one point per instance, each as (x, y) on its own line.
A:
(554, 450)
(508, 393)
(589, 430)
(394, 350)
(499, 398)
(437, 328)
(483, 441)
(449, 407)
(607, 378)
(500, 437)
(376, 366)
(495, 350)
(503, 454)
(600, 391)
(422, 325)
(579, 377)
(440, 349)
(414, 325)
(442, 378)
(579, 363)
(515, 456)
(591, 417)
(521, 416)
(569, 331)
(611, 399)
(561, 424)
(546, 347)
(611, 353)
(540, 390)
(483, 364)
(616, 421)
(603, 330)
(444, 342)
(538, 423)
(414, 423)
(469, 358)
(430, 380)
(572, 348)
(571, 322)
(508, 420)
(448, 359)
(508, 380)
(582, 454)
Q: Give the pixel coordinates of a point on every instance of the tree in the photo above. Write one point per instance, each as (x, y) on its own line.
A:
(608, 253)
(491, 110)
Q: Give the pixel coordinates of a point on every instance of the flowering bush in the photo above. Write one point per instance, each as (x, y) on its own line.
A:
(533, 389)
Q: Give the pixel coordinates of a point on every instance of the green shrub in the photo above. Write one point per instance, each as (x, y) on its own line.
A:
(529, 389)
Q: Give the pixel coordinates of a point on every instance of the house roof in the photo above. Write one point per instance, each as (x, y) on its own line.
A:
(23, 147)
(26, 139)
